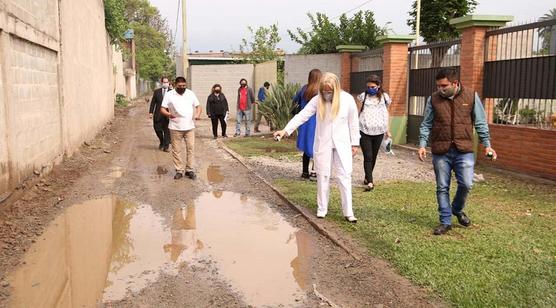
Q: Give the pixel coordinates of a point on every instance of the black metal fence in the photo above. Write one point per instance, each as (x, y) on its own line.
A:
(369, 63)
(424, 63)
(520, 74)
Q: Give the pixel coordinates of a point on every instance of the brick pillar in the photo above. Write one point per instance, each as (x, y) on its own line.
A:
(345, 78)
(473, 30)
(394, 80)
(345, 52)
(473, 40)
(395, 76)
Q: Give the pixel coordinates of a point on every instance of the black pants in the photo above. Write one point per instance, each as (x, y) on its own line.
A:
(163, 133)
(370, 146)
(306, 160)
(214, 119)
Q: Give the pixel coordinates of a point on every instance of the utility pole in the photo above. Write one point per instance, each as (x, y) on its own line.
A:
(417, 32)
(185, 46)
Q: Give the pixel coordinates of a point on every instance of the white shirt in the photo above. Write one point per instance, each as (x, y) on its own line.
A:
(340, 133)
(183, 107)
(373, 120)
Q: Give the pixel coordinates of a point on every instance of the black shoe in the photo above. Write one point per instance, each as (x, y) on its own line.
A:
(463, 219)
(178, 176)
(305, 176)
(236, 135)
(247, 135)
(191, 175)
(160, 147)
(369, 187)
(224, 136)
(313, 176)
(165, 149)
(215, 137)
(442, 229)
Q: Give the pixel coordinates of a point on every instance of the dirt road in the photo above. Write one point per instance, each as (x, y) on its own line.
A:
(110, 227)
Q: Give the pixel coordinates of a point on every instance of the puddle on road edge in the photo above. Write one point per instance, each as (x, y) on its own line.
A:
(103, 249)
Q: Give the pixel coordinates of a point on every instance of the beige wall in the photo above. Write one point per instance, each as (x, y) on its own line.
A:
(33, 106)
(297, 67)
(118, 71)
(86, 69)
(57, 83)
(265, 72)
(203, 77)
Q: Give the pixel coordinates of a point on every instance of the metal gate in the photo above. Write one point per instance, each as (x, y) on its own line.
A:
(424, 63)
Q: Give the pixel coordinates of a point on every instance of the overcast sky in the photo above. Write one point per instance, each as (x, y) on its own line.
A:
(221, 24)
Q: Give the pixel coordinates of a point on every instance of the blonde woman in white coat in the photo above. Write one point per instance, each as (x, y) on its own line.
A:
(336, 141)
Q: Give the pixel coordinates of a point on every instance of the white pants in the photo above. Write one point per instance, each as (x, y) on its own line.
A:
(323, 188)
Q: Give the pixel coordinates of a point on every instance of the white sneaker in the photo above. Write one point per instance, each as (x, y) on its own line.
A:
(320, 215)
(351, 219)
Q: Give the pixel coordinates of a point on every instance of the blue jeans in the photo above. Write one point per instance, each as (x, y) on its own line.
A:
(462, 164)
(239, 118)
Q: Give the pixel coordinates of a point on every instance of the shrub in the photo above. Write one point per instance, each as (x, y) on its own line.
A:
(278, 107)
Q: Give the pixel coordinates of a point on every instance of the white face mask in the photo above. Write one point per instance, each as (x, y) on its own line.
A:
(328, 96)
(165, 85)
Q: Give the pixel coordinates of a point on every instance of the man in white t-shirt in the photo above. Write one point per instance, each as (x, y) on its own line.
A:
(182, 107)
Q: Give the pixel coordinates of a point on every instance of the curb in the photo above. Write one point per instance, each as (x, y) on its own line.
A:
(312, 221)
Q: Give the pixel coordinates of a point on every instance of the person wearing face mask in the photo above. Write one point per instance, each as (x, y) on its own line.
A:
(245, 99)
(373, 124)
(336, 140)
(450, 115)
(160, 123)
(306, 132)
(182, 107)
(217, 108)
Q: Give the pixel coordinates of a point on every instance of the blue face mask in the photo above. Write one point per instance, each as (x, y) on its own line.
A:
(372, 91)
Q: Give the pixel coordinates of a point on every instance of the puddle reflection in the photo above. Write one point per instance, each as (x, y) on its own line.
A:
(103, 249)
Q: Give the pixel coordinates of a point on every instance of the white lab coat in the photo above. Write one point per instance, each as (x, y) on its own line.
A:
(341, 133)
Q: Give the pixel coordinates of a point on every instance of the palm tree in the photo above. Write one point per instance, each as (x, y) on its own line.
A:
(546, 32)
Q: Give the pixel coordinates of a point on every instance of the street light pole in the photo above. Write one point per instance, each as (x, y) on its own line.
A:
(185, 46)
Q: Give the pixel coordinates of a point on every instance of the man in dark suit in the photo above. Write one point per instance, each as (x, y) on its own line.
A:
(160, 122)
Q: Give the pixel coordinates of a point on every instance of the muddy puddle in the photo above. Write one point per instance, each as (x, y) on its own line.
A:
(102, 250)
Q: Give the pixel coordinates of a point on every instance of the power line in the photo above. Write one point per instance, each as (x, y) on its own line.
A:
(355, 8)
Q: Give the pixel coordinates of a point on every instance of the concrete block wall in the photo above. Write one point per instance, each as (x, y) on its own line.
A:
(57, 83)
(87, 71)
(203, 77)
(118, 71)
(297, 67)
(265, 72)
(34, 116)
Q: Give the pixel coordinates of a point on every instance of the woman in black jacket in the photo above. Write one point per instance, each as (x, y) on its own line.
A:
(217, 110)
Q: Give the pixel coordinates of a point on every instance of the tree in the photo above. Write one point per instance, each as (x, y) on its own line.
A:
(153, 40)
(360, 29)
(262, 46)
(546, 33)
(114, 20)
(435, 22)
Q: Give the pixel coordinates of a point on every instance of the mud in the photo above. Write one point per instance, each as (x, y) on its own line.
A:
(112, 218)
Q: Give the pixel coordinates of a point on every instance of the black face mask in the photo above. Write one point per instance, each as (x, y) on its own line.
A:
(244, 85)
(217, 91)
(180, 90)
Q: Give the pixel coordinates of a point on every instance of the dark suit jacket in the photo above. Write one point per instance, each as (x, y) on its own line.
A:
(156, 103)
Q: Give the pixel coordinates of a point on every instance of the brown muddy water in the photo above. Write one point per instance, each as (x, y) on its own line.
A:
(106, 249)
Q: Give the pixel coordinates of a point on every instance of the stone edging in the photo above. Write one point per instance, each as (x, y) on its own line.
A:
(312, 221)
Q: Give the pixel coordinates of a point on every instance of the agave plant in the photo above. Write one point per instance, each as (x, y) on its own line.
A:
(278, 107)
